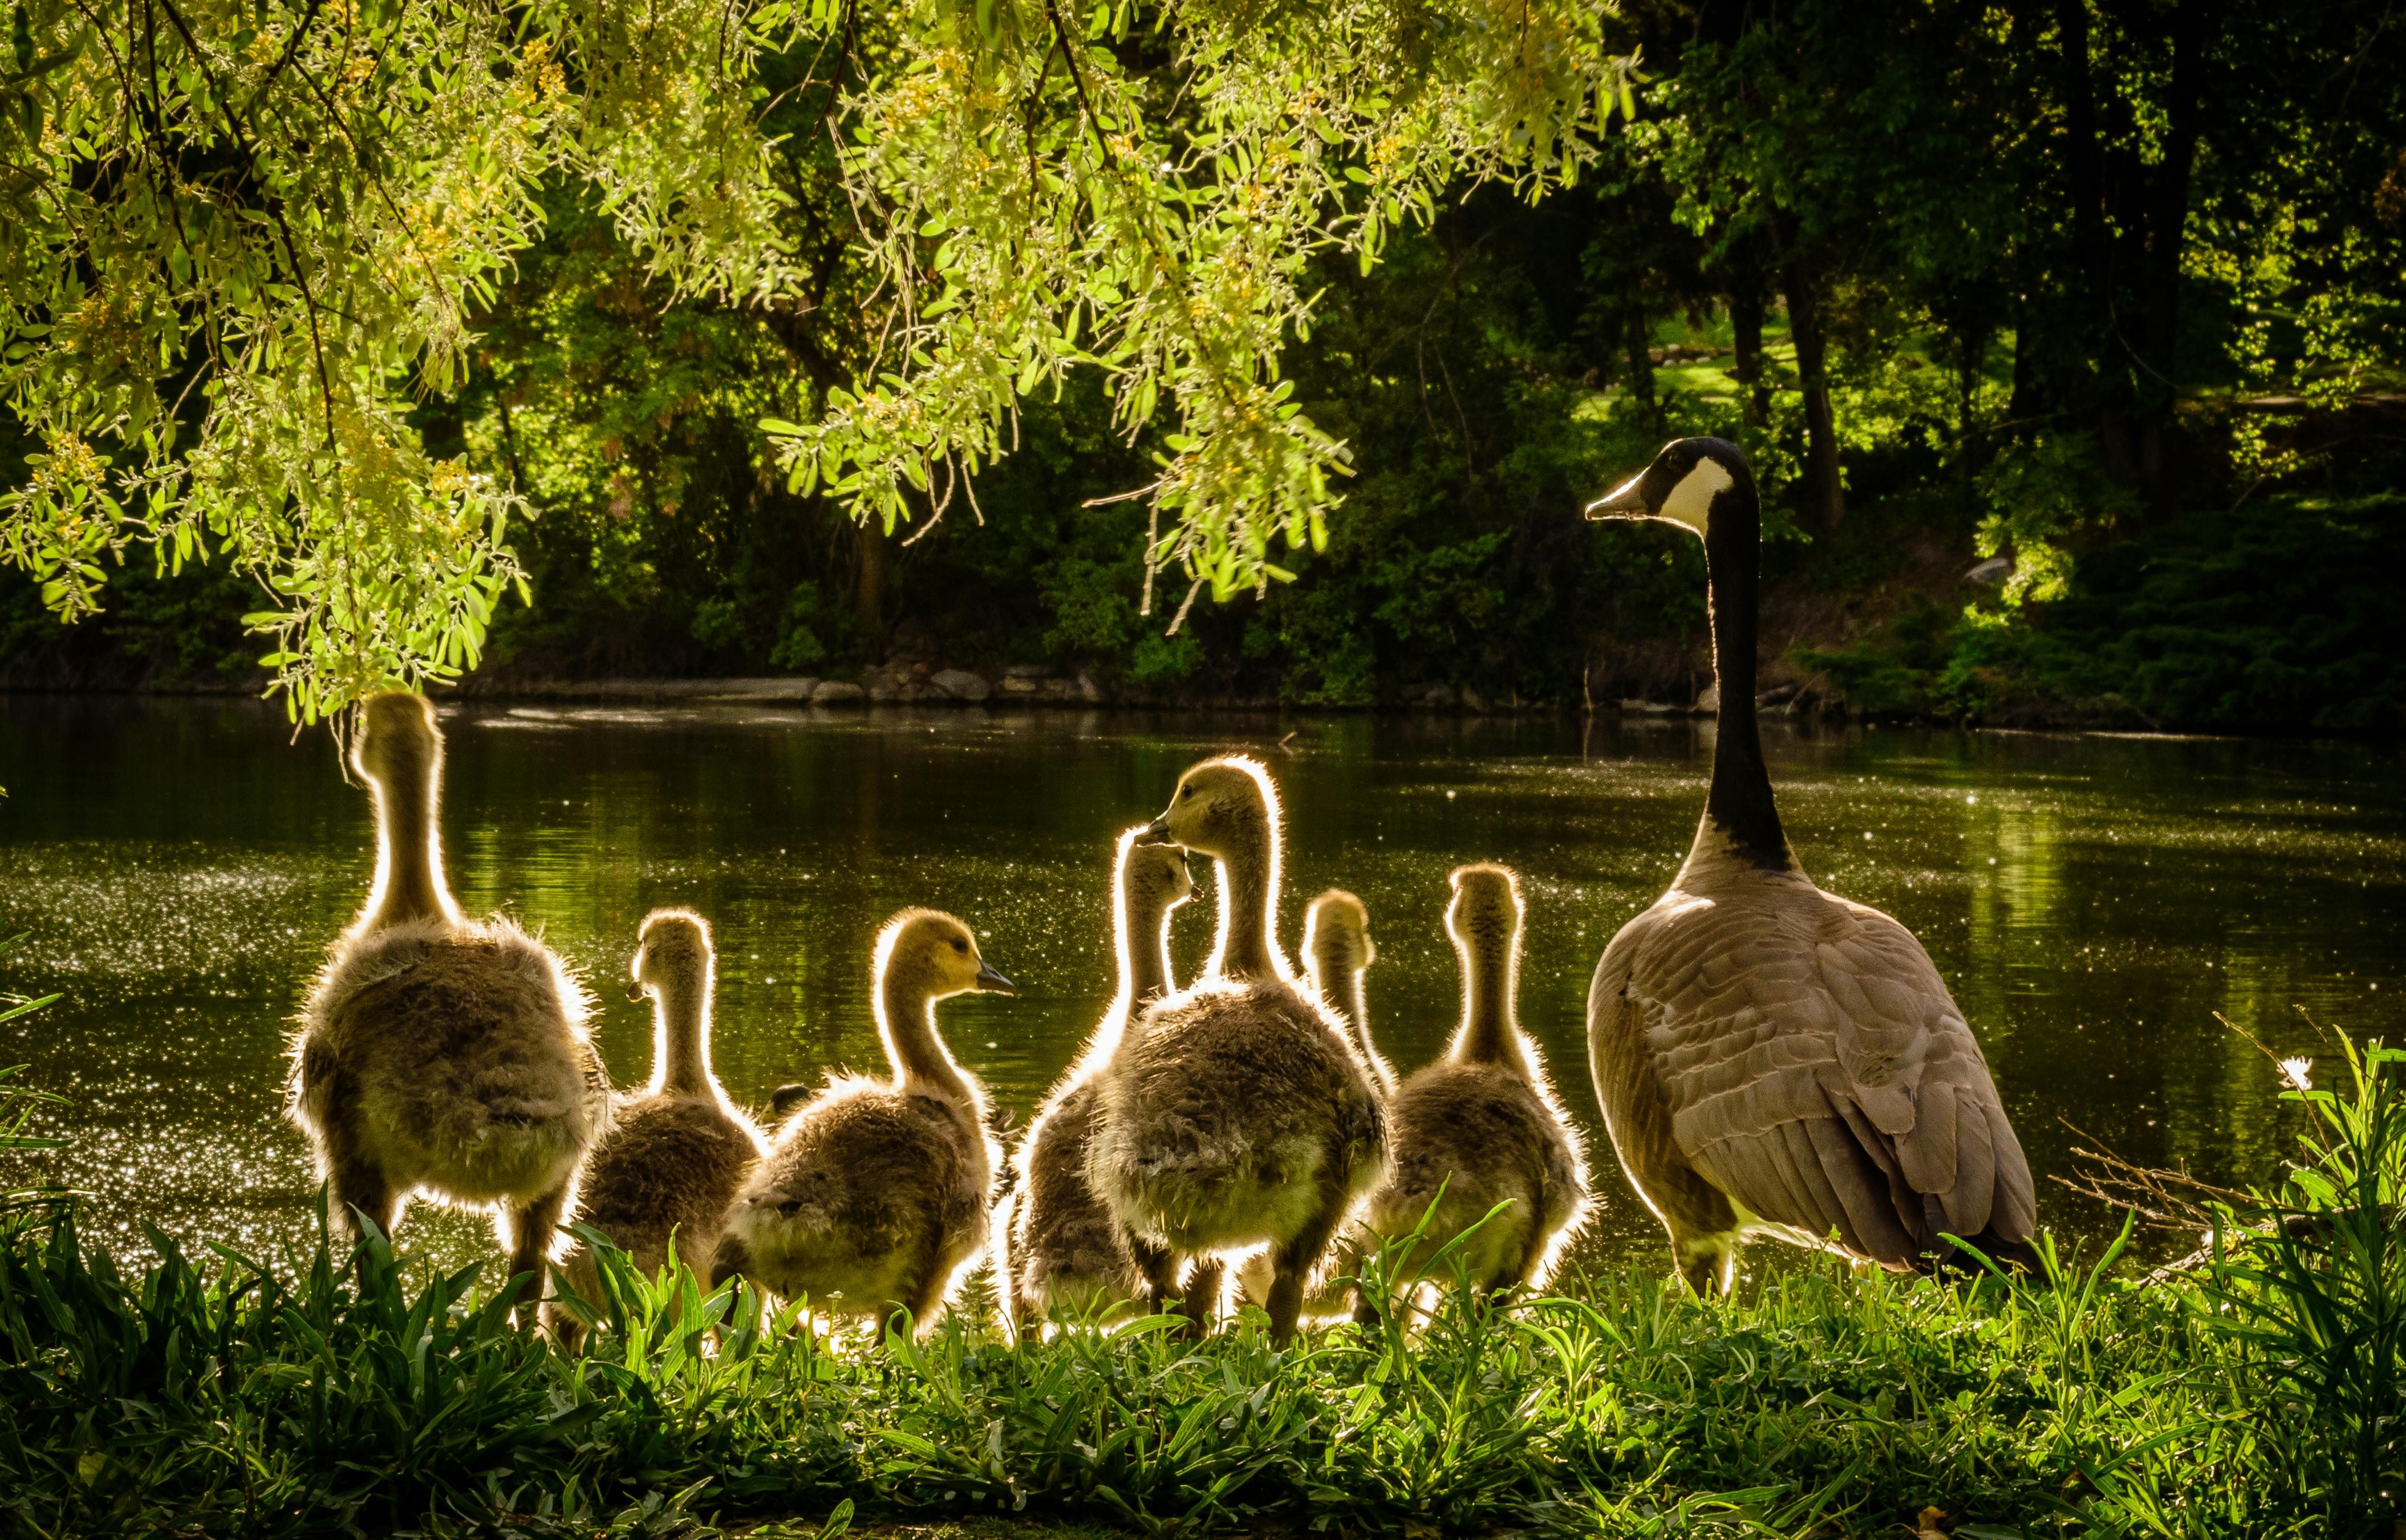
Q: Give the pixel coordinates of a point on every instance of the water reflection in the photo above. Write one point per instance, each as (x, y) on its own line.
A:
(2091, 901)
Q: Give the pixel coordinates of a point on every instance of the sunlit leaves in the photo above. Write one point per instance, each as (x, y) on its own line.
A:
(249, 232)
(245, 235)
(1138, 191)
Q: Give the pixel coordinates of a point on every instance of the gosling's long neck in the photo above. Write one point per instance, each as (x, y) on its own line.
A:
(1249, 883)
(1740, 806)
(906, 1019)
(1144, 949)
(409, 848)
(1339, 974)
(681, 1036)
(1490, 1032)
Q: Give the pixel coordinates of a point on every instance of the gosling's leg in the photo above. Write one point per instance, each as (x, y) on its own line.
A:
(927, 1292)
(1293, 1261)
(532, 1229)
(1159, 1270)
(732, 1260)
(355, 1188)
(1201, 1301)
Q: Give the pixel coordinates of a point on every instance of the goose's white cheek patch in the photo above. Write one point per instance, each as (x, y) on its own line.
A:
(1690, 502)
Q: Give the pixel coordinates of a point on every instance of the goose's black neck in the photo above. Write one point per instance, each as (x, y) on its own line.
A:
(1740, 804)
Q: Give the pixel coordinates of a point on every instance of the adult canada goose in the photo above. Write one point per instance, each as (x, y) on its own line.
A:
(874, 1195)
(1771, 1058)
(439, 1055)
(1066, 1248)
(1480, 1127)
(679, 1150)
(1237, 1114)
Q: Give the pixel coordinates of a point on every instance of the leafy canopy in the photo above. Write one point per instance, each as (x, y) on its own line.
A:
(252, 234)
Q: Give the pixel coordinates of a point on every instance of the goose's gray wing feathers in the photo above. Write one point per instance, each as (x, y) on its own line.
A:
(1817, 1072)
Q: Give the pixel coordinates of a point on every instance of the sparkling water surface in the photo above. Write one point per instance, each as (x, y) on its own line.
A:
(179, 865)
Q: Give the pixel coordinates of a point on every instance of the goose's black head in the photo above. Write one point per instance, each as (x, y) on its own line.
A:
(1688, 483)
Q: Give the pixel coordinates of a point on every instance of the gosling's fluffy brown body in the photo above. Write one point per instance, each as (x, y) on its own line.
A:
(438, 1055)
(1339, 952)
(1236, 1115)
(872, 1196)
(671, 1168)
(679, 1150)
(1067, 1251)
(875, 1194)
(1481, 1127)
(1482, 1135)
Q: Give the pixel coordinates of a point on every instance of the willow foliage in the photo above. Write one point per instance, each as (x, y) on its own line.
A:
(249, 235)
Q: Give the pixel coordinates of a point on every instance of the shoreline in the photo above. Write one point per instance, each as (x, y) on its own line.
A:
(1080, 693)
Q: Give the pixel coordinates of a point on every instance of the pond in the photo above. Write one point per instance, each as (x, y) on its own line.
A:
(178, 867)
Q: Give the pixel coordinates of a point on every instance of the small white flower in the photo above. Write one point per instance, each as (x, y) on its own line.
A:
(2294, 1072)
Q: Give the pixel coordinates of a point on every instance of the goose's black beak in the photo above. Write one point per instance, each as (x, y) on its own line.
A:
(1626, 501)
(1156, 833)
(991, 982)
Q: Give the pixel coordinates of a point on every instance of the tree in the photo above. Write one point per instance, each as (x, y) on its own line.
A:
(249, 232)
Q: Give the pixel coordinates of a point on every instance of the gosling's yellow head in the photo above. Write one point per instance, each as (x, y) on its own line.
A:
(1336, 929)
(1154, 877)
(937, 954)
(397, 739)
(1485, 910)
(671, 950)
(1221, 805)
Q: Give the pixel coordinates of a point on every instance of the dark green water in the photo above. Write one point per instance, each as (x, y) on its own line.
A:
(2093, 901)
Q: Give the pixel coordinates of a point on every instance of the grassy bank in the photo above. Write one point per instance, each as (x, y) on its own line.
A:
(2257, 1393)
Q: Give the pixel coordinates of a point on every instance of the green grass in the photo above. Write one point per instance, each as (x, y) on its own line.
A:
(215, 1394)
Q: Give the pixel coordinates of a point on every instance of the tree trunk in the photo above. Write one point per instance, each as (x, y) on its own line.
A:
(1825, 497)
(2193, 26)
(2093, 245)
(1974, 340)
(1641, 363)
(869, 592)
(1746, 332)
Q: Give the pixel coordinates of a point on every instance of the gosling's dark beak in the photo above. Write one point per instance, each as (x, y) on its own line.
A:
(991, 982)
(1156, 833)
(1626, 501)
(635, 992)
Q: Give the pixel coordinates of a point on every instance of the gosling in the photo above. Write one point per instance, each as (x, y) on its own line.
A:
(1338, 952)
(438, 1055)
(1066, 1252)
(1236, 1114)
(873, 1197)
(680, 1149)
(1480, 1127)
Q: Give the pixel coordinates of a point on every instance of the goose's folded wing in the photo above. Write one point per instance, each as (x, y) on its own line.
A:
(1955, 1145)
(1811, 1080)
